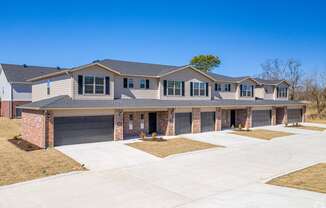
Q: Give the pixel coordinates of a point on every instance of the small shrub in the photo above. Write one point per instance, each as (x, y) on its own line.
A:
(154, 136)
(142, 135)
(240, 127)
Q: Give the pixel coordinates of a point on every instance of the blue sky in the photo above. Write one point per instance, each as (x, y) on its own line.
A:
(243, 33)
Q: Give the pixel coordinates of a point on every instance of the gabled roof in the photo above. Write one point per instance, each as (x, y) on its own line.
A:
(21, 73)
(66, 102)
(271, 82)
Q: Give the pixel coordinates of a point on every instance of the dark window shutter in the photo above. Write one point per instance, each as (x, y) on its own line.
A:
(240, 90)
(183, 88)
(80, 84)
(165, 83)
(147, 83)
(277, 92)
(215, 87)
(191, 88)
(207, 89)
(107, 85)
(252, 91)
(125, 83)
(229, 87)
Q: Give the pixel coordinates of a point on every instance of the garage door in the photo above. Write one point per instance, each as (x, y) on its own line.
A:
(78, 130)
(294, 115)
(261, 118)
(183, 123)
(207, 121)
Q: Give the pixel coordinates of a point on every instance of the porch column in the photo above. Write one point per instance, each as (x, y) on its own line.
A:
(49, 129)
(304, 113)
(285, 117)
(118, 125)
(196, 125)
(170, 131)
(273, 116)
(249, 118)
(218, 119)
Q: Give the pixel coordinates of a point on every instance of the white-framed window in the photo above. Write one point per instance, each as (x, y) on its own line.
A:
(93, 85)
(199, 89)
(282, 92)
(131, 122)
(174, 87)
(142, 84)
(227, 87)
(142, 121)
(130, 83)
(218, 87)
(48, 85)
(246, 91)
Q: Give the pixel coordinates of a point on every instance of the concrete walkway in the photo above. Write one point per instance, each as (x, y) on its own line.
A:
(225, 177)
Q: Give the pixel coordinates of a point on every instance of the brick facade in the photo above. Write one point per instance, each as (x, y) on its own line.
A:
(218, 119)
(240, 117)
(304, 114)
(136, 123)
(162, 122)
(118, 125)
(170, 131)
(196, 120)
(6, 110)
(49, 130)
(273, 116)
(285, 117)
(33, 127)
(248, 123)
(279, 115)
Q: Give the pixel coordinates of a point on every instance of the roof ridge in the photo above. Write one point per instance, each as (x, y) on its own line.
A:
(136, 62)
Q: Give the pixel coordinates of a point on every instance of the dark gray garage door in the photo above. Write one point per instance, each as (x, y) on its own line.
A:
(294, 115)
(77, 130)
(261, 118)
(183, 123)
(207, 121)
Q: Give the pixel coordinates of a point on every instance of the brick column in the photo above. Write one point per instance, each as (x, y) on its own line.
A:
(49, 129)
(118, 125)
(273, 116)
(248, 118)
(285, 117)
(304, 113)
(196, 125)
(218, 119)
(170, 131)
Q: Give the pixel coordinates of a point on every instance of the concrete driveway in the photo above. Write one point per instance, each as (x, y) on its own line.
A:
(227, 177)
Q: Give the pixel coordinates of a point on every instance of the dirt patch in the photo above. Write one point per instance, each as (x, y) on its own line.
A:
(261, 133)
(20, 161)
(320, 121)
(311, 128)
(312, 178)
(164, 148)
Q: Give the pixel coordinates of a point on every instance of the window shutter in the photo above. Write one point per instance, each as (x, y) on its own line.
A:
(229, 87)
(207, 89)
(80, 84)
(125, 83)
(252, 91)
(191, 88)
(165, 87)
(240, 90)
(277, 92)
(183, 88)
(147, 83)
(107, 85)
(215, 87)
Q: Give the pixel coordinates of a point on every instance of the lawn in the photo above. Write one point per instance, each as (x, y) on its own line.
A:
(320, 121)
(168, 147)
(312, 128)
(312, 178)
(17, 165)
(261, 134)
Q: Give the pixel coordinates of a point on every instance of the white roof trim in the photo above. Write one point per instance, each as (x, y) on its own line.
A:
(185, 67)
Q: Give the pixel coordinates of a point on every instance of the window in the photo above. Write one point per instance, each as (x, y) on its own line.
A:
(130, 83)
(131, 118)
(94, 85)
(246, 90)
(48, 87)
(199, 88)
(282, 92)
(142, 121)
(227, 87)
(142, 84)
(217, 87)
(89, 85)
(174, 87)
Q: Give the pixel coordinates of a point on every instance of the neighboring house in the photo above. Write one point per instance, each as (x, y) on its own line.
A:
(114, 100)
(15, 90)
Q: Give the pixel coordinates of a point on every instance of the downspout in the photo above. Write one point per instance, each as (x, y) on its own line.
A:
(45, 129)
(11, 101)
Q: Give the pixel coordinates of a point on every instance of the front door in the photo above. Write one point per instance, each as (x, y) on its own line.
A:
(151, 122)
(232, 118)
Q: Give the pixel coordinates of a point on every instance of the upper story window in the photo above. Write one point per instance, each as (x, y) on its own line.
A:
(174, 87)
(246, 90)
(198, 89)
(48, 85)
(217, 87)
(93, 85)
(282, 92)
(128, 83)
(144, 84)
(227, 87)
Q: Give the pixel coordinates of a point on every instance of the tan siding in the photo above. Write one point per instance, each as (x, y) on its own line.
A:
(82, 112)
(187, 75)
(246, 82)
(225, 95)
